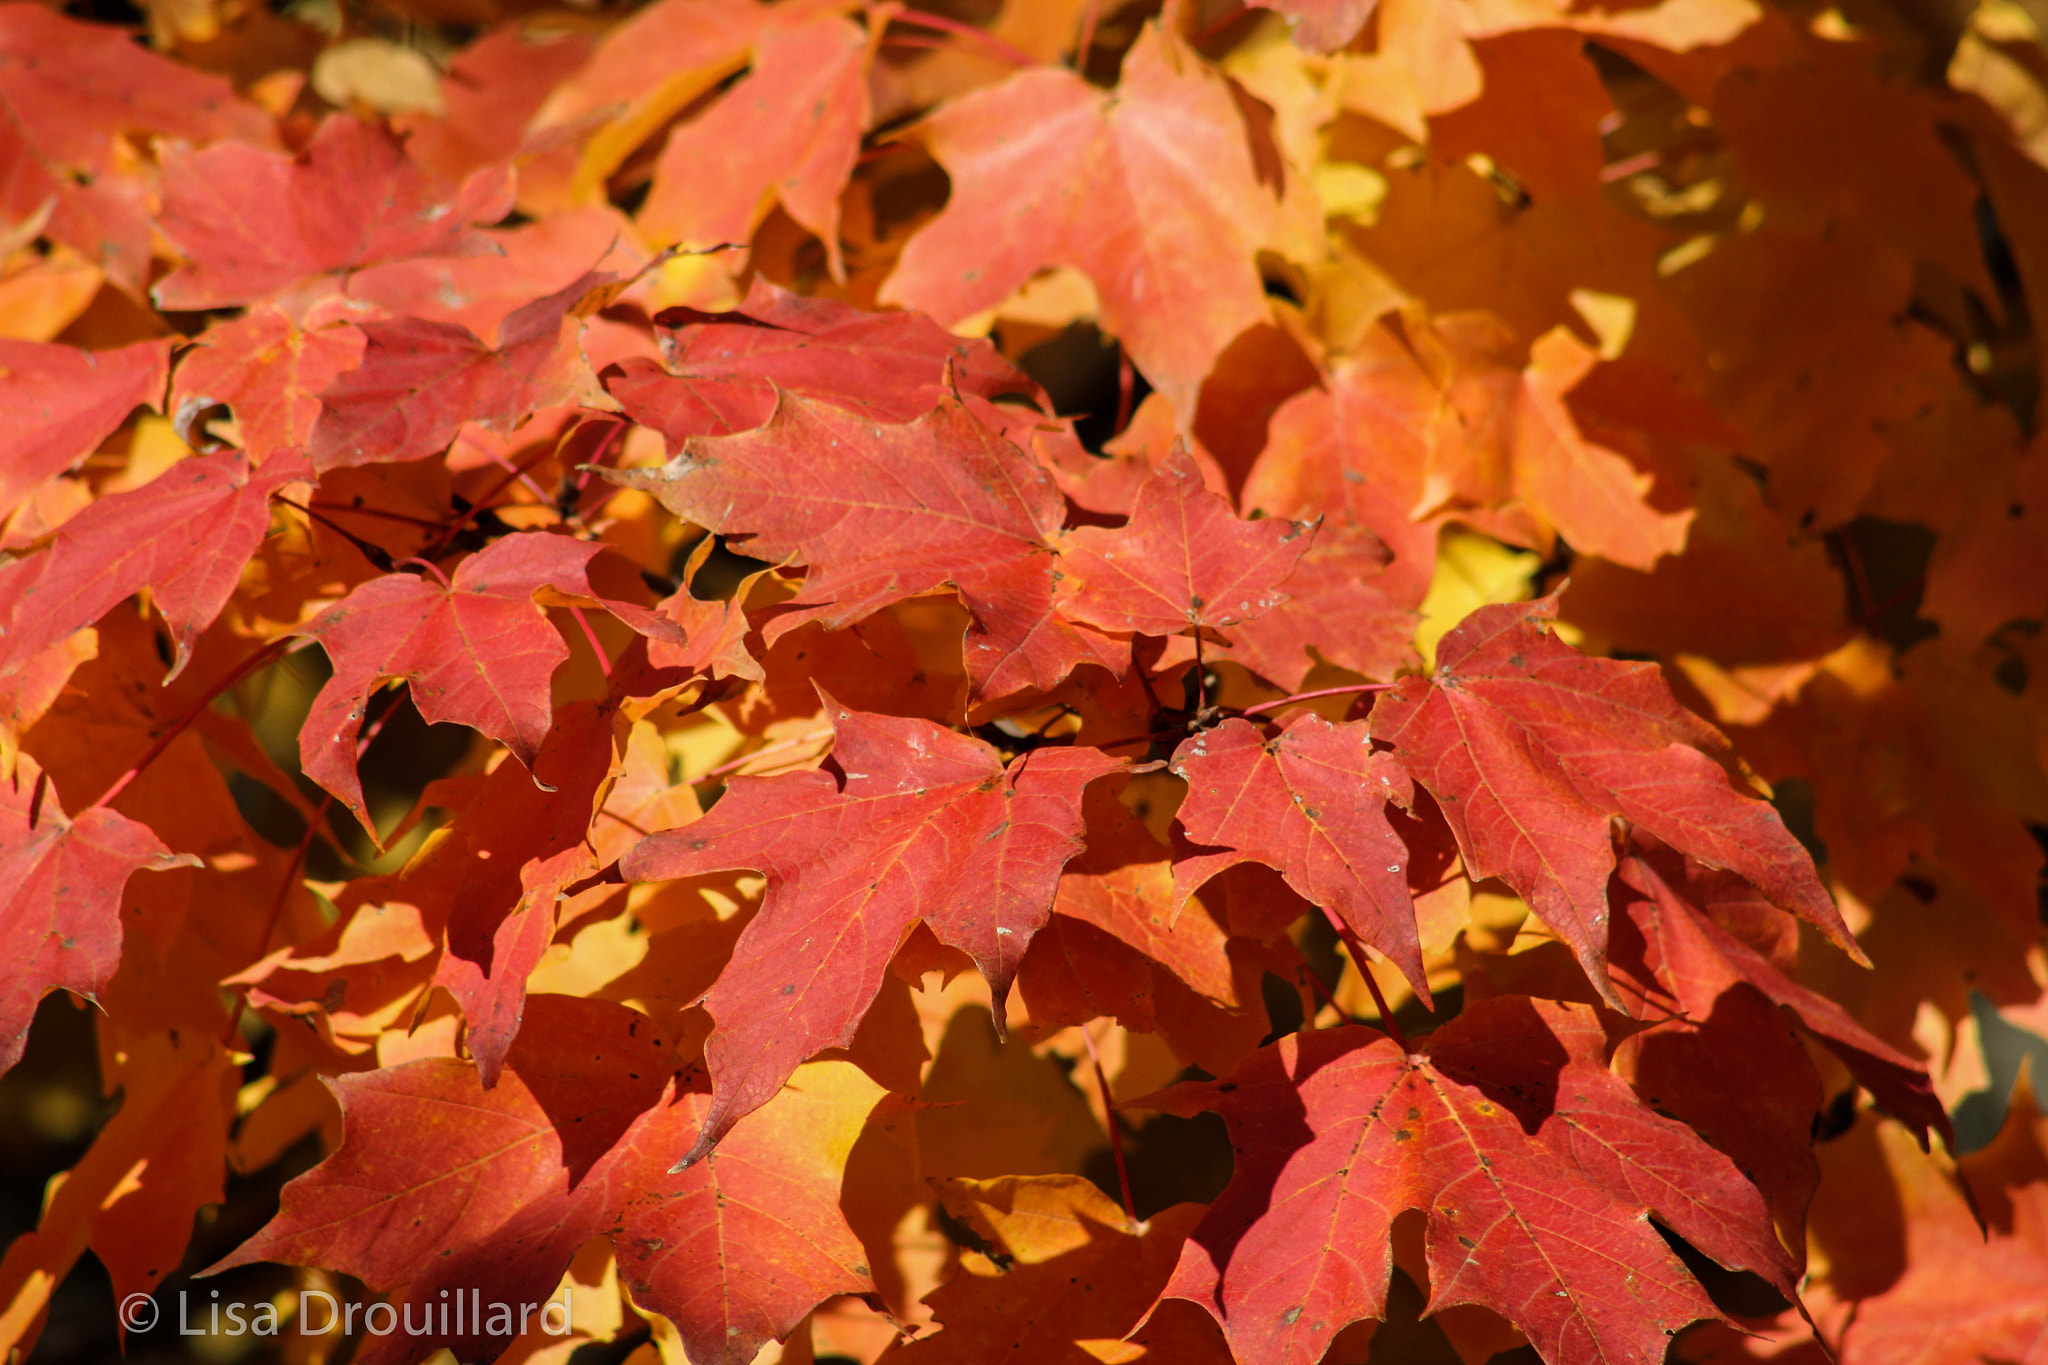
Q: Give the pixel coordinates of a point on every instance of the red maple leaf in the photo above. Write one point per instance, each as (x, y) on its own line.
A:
(57, 403)
(185, 536)
(60, 911)
(1974, 1285)
(715, 630)
(490, 955)
(1115, 947)
(1151, 192)
(476, 649)
(924, 824)
(72, 90)
(722, 370)
(485, 885)
(1183, 560)
(1535, 1167)
(1534, 750)
(1340, 607)
(881, 513)
(490, 93)
(1311, 803)
(269, 370)
(250, 223)
(1378, 329)
(1676, 941)
(720, 173)
(1122, 885)
(503, 270)
(1354, 452)
(573, 1145)
(419, 381)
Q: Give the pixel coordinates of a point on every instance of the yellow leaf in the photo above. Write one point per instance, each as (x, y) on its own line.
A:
(1471, 571)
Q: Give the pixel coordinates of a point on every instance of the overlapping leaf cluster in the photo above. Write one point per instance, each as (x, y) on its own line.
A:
(890, 779)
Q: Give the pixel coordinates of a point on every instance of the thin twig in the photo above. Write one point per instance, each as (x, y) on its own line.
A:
(1310, 696)
(744, 759)
(379, 557)
(297, 864)
(1323, 994)
(521, 473)
(1061, 712)
(1391, 1025)
(1000, 48)
(429, 523)
(1630, 165)
(1126, 386)
(1086, 42)
(614, 815)
(1116, 1131)
(590, 467)
(923, 42)
(183, 723)
(1108, 744)
(1217, 25)
(429, 566)
(603, 660)
(484, 503)
(1852, 562)
(1891, 600)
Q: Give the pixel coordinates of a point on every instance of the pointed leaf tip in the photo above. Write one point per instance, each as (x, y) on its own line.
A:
(1534, 749)
(928, 824)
